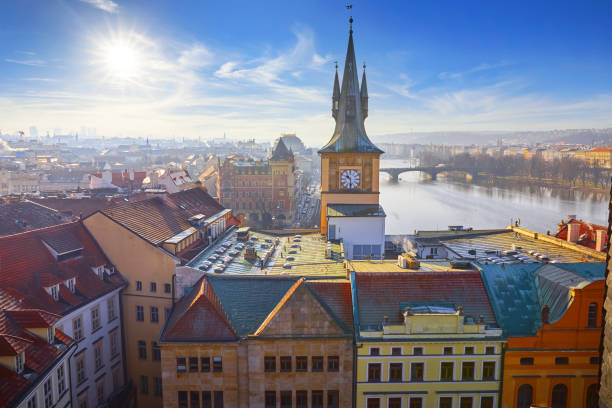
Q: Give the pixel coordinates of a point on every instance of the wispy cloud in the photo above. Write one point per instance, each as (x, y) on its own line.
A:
(478, 68)
(36, 79)
(32, 62)
(105, 5)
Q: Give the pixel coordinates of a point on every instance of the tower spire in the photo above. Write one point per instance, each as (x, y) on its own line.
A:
(364, 95)
(350, 134)
(336, 94)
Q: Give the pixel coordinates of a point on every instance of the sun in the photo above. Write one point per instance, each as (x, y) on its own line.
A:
(121, 60)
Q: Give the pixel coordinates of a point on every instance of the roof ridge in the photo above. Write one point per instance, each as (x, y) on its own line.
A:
(279, 305)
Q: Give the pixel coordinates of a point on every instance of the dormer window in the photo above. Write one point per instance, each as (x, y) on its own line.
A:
(54, 291)
(71, 284)
(19, 362)
(50, 334)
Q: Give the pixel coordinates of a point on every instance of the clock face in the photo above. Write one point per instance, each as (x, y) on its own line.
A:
(350, 178)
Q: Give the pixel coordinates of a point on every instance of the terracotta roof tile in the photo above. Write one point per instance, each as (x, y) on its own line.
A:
(380, 295)
(20, 216)
(11, 385)
(337, 296)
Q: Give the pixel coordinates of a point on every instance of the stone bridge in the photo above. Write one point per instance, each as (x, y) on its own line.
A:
(433, 172)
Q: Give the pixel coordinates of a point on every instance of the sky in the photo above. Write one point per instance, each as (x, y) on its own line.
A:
(201, 69)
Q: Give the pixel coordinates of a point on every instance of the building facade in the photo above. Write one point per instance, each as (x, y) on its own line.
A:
(227, 346)
(425, 339)
(262, 191)
(147, 240)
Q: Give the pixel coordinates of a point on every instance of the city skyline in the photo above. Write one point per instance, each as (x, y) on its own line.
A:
(192, 71)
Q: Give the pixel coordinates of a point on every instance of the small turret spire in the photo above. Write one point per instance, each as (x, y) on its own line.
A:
(363, 93)
(336, 94)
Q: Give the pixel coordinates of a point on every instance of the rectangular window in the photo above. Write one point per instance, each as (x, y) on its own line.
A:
(395, 403)
(100, 391)
(373, 402)
(153, 286)
(77, 328)
(167, 288)
(417, 371)
(374, 372)
(486, 402)
(157, 386)
(416, 402)
(206, 399)
(144, 384)
(205, 364)
(166, 313)
(114, 343)
(111, 308)
(140, 313)
(218, 399)
(317, 399)
(269, 364)
(182, 399)
(154, 314)
(80, 368)
(467, 371)
(61, 380)
(333, 399)
(48, 393)
(270, 399)
(466, 402)
(95, 319)
(488, 370)
(561, 360)
(193, 364)
(32, 402)
(286, 399)
(98, 360)
(301, 399)
(142, 350)
(396, 351)
(395, 372)
(116, 377)
(301, 363)
(217, 365)
(317, 363)
(417, 351)
(490, 350)
(155, 351)
(138, 286)
(333, 363)
(375, 351)
(469, 350)
(446, 402)
(448, 351)
(285, 363)
(181, 364)
(447, 371)
(194, 399)
(594, 360)
(526, 361)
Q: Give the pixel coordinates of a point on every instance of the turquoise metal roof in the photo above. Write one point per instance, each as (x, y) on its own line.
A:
(518, 292)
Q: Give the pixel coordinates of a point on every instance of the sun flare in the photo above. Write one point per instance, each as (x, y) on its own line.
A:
(121, 61)
(119, 57)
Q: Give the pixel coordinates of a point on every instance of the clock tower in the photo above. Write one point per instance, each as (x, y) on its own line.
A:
(350, 162)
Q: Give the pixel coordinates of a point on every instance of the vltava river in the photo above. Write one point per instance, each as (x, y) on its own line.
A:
(418, 203)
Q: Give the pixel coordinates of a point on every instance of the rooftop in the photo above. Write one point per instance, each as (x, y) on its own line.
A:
(384, 266)
(355, 210)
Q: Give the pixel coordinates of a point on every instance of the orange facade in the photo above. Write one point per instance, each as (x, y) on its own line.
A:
(559, 366)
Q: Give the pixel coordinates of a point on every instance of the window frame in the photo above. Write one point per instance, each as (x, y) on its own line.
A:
(373, 365)
(411, 362)
(482, 371)
(454, 371)
(401, 377)
(473, 362)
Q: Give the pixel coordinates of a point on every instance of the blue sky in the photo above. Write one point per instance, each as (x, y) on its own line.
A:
(255, 69)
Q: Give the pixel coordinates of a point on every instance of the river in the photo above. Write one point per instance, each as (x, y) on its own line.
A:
(415, 202)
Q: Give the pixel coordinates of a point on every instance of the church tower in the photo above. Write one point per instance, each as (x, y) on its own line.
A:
(350, 162)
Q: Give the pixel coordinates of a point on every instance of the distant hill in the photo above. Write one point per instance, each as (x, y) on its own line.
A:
(571, 136)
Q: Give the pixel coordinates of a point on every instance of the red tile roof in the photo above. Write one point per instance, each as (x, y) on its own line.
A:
(19, 216)
(587, 234)
(11, 385)
(122, 179)
(162, 217)
(33, 318)
(27, 266)
(337, 296)
(380, 294)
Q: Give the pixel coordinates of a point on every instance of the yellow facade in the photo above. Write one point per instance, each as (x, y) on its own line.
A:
(435, 360)
(143, 310)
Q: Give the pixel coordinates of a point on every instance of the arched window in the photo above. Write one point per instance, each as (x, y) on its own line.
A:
(545, 313)
(592, 396)
(592, 318)
(559, 396)
(524, 396)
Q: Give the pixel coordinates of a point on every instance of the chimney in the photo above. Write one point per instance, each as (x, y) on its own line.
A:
(573, 232)
(601, 241)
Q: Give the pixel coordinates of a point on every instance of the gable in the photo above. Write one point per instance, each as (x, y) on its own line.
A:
(300, 314)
